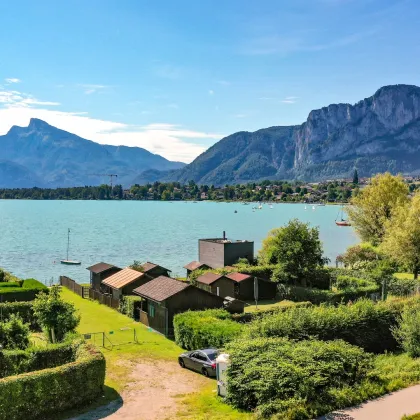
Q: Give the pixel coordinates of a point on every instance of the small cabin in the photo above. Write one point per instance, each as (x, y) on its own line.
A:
(124, 282)
(244, 287)
(99, 272)
(217, 284)
(154, 270)
(164, 297)
(195, 265)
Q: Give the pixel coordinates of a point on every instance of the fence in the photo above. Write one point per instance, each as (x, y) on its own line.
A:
(87, 292)
(107, 300)
(112, 339)
(74, 287)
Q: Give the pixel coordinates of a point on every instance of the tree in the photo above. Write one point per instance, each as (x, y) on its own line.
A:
(14, 333)
(355, 177)
(408, 330)
(55, 316)
(375, 205)
(402, 236)
(295, 247)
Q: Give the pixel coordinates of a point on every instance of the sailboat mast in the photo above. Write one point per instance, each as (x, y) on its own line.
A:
(68, 243)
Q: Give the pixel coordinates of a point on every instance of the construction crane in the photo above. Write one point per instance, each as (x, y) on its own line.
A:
(111, 176)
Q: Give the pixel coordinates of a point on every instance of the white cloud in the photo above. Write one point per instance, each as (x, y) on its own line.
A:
(11, 80)
(171, 141)
(89, 89)
(211, 92)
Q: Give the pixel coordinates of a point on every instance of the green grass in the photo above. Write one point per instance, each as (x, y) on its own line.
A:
(267, 304)
(96, 318)
(412, 417)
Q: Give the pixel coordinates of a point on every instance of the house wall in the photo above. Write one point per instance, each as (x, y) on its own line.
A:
(217, 254)
(158, 321)
(266, 289)
(96, 278)
(226, 287)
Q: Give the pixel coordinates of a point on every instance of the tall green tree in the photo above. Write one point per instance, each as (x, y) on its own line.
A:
(296, 248)
(355, 177)
(374, 206)
(402, 236)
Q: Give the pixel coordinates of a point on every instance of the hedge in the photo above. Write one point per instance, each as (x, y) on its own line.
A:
(129, 306)
(364, 324)
(24, 310)
(15, 362)
(44, 393)
(202, 329)
(29, 290)
(294, 379)
(318, 296)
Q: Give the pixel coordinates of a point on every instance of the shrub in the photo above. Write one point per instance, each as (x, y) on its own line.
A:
(403, 287)
(348, 282)
(2, 275)
(14, 334)
(317, 296)
(27, 291)
(364, 324)
(364, 252)
(276, 375)
(24, 310)
(408, 330)
(15, 362)
(44, 393)
(56, 316)
(202, 329)
(129, 306)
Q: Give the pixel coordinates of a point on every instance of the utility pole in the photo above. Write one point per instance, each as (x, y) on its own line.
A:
(111, 176)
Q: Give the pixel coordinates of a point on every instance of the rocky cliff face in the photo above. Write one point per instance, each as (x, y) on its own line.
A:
(45, 156)
(380, 133)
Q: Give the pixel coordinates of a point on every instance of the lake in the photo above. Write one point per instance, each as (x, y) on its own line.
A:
(33, 234)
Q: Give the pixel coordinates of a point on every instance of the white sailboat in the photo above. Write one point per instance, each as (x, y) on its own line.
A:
(67, 261)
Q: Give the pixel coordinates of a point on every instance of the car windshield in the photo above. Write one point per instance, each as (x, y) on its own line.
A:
(212, 356)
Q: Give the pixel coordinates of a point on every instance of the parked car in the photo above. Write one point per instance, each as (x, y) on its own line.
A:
(203, 361)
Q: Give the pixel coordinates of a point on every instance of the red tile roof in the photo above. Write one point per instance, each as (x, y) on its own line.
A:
(238, 277)
(209, 278)
(161, 288)
(122, 278)
(100, 267)
(194, 265)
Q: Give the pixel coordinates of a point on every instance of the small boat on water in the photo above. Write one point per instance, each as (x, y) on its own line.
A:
(339, 220)
(321, 204)
(306, 208)
(67, 261)
(271, 206)
(313, 208)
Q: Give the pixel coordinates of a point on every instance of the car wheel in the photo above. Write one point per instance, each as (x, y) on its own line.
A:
(181, 363)
(205, 372)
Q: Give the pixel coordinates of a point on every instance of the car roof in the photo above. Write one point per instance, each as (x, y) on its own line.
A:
(208, 351)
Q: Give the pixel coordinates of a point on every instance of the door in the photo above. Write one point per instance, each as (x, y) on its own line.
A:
(198, 361)
(189, 360)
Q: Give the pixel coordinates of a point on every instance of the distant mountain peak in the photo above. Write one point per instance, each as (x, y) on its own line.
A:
(35, 123)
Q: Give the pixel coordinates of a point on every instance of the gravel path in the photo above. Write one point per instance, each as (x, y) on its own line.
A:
(389, 407)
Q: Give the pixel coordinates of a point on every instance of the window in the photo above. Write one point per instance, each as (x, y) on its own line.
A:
(151, 310)
(200, 356)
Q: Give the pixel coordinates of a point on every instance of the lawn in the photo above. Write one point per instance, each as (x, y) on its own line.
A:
(267, 304)
(152, 346)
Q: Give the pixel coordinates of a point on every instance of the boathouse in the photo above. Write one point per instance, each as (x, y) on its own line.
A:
(99, 272)
(164, 297)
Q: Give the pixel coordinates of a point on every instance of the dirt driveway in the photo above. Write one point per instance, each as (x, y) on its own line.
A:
(151, 393)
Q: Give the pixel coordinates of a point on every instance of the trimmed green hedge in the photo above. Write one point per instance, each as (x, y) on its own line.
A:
(364, 324)
(296, 380)
(24, 310)
(43, 393)
(27, 292)
(15, 362)
(202, 329)
(318, 296)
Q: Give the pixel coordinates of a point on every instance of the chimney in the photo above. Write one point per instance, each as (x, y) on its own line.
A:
(224, 235)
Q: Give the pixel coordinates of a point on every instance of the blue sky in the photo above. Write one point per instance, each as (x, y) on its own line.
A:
(176, 76)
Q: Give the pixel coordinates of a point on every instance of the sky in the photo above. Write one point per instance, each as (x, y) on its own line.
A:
(175, 77)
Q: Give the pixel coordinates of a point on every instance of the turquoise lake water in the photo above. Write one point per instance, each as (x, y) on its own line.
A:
(33, 234)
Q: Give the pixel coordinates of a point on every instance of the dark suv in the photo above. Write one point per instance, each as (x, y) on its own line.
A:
(203, 361)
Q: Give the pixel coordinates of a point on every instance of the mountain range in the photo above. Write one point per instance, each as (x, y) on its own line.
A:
(45, 156)
(380, 133)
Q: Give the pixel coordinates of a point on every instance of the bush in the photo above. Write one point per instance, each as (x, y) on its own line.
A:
(24, 310)
(348, 282)
(129, 306)
(25, 292)
(364, 324)
(297, 379)
(15, 362)
(408, 330)
(56, 316)
(317, 296)
(44, 393)
(2, 275)
(14, 334)
(202, 329)
(403, 287)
